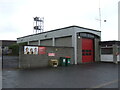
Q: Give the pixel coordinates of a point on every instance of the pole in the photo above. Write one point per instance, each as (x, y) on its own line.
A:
(33, 24)
(100, 14)
(2, 57)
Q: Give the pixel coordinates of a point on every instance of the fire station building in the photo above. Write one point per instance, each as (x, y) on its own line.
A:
(85, 42)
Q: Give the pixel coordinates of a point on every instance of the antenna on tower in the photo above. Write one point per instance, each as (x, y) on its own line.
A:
(38, 24)
(100, 19)
(99, 14)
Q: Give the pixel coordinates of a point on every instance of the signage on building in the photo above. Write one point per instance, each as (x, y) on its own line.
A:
(51, 54)
(42, 50)
(30, 50)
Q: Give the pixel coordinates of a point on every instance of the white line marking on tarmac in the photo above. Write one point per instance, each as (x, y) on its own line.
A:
(102, 85)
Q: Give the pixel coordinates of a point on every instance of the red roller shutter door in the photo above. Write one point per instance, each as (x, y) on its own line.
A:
(87, 50)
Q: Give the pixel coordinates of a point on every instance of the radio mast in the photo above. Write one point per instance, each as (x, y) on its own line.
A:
(99, 14)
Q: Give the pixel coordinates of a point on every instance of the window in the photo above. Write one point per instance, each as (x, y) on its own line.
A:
(87, 35)
(106, 51)
(83, 50)
(83, 54)
(86, 52)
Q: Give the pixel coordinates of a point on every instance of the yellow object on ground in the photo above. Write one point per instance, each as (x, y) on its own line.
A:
(53, 62)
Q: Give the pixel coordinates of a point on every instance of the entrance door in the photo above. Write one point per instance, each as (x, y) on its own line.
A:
(87, 50)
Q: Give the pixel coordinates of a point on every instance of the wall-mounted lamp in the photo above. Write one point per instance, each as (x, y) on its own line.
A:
(45, 35)
(78, 36)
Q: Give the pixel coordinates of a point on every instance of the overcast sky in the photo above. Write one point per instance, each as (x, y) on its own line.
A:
(16, 16)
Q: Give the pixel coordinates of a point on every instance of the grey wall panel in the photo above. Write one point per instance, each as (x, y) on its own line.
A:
(34, 61)
(79, 50)
(47, 42)
(64, 41)
(97, 51)
(33, 42)
(47, 35)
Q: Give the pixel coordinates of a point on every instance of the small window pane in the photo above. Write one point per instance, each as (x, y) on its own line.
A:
(83, 50)
(89, 50)
(87, 54)
(106, 51)
(83, 54)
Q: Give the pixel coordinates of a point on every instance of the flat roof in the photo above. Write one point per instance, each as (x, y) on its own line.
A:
(8, 40)
(61, 29)
(50, 46)
(110, 42)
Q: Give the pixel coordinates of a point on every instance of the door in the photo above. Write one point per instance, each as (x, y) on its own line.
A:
(87, 50)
